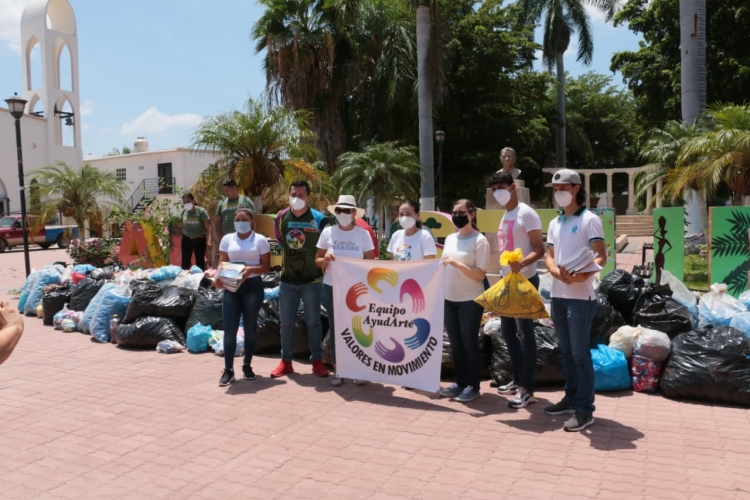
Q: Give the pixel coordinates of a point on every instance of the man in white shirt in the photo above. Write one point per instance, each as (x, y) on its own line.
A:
(521, 228)
(573, 296)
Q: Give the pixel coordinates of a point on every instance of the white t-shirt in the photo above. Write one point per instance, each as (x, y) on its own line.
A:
(414, 247)
(513, 233)
(353, 243)
(566, 237)
(247, 251)
(473, 251)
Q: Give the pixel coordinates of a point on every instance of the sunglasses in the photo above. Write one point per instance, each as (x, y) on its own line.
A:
(343, 210)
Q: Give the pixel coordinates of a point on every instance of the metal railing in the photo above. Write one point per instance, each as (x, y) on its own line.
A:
(148, 188)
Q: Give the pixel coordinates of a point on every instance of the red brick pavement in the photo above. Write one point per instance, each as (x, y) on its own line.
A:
(84, 420)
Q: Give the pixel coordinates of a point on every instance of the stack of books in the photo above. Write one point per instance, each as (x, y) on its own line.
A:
(230, 275)
(581, 262)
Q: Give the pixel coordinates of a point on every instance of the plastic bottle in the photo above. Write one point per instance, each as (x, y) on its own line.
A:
(113, 329)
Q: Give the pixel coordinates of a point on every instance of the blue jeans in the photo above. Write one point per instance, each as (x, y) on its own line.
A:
(573, 319)
(245, 303)
(328, 304)
(289, 297)
(521, 341)
(462, 320)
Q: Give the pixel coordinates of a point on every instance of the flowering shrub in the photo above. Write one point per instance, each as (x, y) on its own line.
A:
(98, 253)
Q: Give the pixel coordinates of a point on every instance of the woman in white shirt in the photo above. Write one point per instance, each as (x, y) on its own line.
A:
(467, 254)
(247, 247)
(345, 239)
(412, 242)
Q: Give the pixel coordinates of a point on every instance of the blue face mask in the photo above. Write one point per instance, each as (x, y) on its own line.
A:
(242, 226)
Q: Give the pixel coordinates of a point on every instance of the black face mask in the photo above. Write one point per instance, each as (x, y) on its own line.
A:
(460, 220)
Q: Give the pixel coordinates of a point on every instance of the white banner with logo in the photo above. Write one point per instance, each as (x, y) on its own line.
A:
(389, 321)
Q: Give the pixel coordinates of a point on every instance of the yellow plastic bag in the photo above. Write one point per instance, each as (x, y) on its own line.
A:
(513, 296)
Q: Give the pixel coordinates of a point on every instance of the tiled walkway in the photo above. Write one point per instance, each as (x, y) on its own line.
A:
(84, 420)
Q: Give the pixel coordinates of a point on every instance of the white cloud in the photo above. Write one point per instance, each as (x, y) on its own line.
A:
(10, 23)
(87, 107)
(154, 120)
(596, 15)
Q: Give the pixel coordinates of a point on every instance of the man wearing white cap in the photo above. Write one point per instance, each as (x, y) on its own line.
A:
(573, 296)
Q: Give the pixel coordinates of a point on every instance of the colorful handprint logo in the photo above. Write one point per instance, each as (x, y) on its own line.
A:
(411, 288)
(295, 239)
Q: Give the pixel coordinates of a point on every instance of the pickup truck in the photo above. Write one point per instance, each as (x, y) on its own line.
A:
(11, 234)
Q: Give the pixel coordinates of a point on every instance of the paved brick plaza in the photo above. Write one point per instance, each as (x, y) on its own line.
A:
(84, 420)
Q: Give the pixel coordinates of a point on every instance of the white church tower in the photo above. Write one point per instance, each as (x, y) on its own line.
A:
(49, 41)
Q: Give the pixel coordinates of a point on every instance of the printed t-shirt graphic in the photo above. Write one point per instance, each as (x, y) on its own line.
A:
(299, 238)
(353, 243)
(193, 222)
(414, 247)
(513, 233)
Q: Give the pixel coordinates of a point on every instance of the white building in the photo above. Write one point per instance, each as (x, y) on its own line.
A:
(50, 129)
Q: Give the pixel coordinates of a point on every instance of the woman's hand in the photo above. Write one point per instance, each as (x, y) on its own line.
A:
(217, 284)
(450, 261)
(246, 273)
(515, 267)
(10, 316)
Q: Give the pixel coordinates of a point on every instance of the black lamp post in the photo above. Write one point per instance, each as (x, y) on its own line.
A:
(16, 106)
(440, 138)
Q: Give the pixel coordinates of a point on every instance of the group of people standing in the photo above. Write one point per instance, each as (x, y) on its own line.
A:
(310, 242)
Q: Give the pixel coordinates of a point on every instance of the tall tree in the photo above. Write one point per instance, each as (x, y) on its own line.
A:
(309, 62)
(562, 18)
(385, 171)
(259, 145)
(81, 194)
(693, 90)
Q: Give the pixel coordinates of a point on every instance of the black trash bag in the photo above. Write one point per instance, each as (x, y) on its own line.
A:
(547, 358)
(668, 316)
(207, 309)
(651, 294)
(147, 331)
(709, 365)
(447, 367)
(623, 291)
(271, 280)
(54, 301)
(101, 274)
(152, 300)
(269, 328)
(606, 321)
(83, 292)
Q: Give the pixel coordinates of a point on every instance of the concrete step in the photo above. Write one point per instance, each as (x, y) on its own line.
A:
(635, 225)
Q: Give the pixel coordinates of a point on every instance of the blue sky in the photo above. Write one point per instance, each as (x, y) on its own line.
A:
(154, 68)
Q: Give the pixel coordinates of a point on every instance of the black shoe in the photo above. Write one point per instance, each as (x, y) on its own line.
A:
(578, 422)
(561, 408)
(248, 372)
(227, 377)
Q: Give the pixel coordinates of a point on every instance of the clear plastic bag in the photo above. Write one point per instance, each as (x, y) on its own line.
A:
(88, 315)
(218, 345)
(115, 300)
(652, 344)
(622, 340)
(169, 347)
(45, 277)
(717, 307)
(741, 322)
(745, 298)
(59, 316)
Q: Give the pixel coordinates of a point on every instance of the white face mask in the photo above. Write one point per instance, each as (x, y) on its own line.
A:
(502, 196)
(407, 222)
(344, 219)
(563, 198)
(189, 206)
(296, 203)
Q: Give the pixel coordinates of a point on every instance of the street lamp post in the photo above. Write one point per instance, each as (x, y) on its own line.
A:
(440, 138)
(16, 106)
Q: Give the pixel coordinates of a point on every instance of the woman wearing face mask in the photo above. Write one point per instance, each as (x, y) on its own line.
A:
(467, 254)
(345, 239)
(196, 224)
(251, 249)
(412, 242)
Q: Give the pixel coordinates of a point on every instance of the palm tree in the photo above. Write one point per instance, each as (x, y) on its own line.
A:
(259, 144)
(661, 150)
(693, 87)
(385, 171)
(719, 155)
(309, 62)
(81, 194)
(561, 19)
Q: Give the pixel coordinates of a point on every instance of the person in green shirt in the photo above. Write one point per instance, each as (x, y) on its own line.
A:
(224, 218)
(196, 224)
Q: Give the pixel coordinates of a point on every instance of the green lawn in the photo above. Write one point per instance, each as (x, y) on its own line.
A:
(696, 273)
